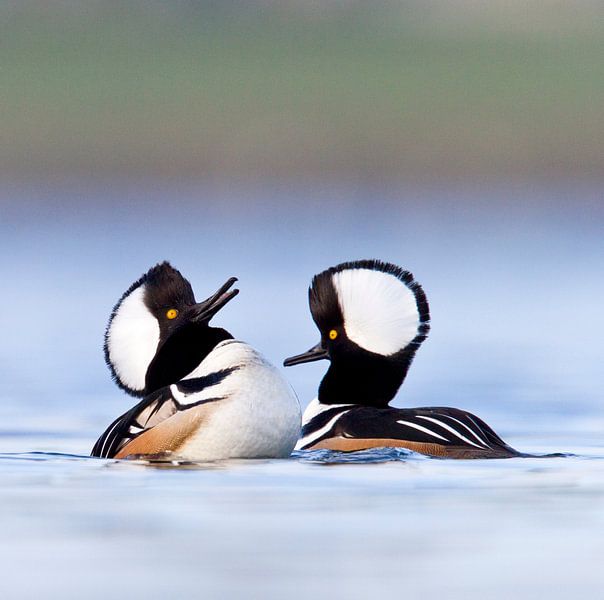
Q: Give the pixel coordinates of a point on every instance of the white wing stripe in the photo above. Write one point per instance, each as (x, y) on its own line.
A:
(449, 428)
(481, 440)
(423, 429)
(107, 439)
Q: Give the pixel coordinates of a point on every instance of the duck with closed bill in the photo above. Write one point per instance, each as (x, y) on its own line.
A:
(205, 395)
(373, 316)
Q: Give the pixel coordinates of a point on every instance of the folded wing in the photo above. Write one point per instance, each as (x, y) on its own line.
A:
(439, 431)
(163, 419)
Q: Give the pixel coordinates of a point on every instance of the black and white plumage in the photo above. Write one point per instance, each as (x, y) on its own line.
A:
(157, 332)
(156, 408)
(373, 317)
(205, 395)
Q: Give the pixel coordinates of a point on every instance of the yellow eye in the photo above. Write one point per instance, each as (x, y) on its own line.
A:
(333, 334)
(172, 314)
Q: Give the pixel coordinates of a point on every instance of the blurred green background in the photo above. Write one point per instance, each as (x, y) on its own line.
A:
(413, 90)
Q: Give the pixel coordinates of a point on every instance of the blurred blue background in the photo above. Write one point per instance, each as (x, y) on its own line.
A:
(270, 140)
(511, 271)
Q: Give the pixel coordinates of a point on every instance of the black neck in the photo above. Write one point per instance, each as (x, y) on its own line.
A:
(181, 353)
(368, 379)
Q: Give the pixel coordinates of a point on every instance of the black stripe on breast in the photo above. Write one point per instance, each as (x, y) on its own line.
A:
(180, 407)
(321, 420)
(197, 384)
(325, 416)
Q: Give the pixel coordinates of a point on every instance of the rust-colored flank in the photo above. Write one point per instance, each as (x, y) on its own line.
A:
(343, 444)
(169, 435)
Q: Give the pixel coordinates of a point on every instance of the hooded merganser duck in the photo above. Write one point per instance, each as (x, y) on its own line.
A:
(373, 316)
(205, 395)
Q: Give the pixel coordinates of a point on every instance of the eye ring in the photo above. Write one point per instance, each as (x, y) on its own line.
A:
(171, 313)
(333, 334)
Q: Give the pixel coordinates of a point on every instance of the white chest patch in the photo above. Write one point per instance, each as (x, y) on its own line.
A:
(258, 414)
(380, 311)
(132, 340)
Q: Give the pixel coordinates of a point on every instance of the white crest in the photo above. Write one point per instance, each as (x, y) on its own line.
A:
(380, 311)
(132, 339)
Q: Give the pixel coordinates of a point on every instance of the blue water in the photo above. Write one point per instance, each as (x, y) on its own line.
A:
(514, 278)
(525, 528)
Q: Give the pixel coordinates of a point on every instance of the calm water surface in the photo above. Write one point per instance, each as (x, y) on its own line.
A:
(77, 527)
(515, 281)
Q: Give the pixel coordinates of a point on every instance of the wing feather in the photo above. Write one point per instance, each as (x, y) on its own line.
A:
(449, 429)
(156, 409)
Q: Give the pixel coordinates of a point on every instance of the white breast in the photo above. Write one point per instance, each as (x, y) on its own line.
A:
(259, 415)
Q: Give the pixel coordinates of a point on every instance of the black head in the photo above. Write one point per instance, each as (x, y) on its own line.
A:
(372, 317)
(158, 333)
